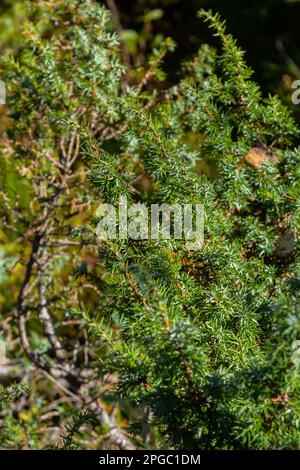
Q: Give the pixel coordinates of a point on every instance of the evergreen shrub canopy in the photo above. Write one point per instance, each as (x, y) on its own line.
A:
(142, 343)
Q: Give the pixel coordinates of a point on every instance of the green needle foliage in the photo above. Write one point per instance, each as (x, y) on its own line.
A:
(203, 346)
